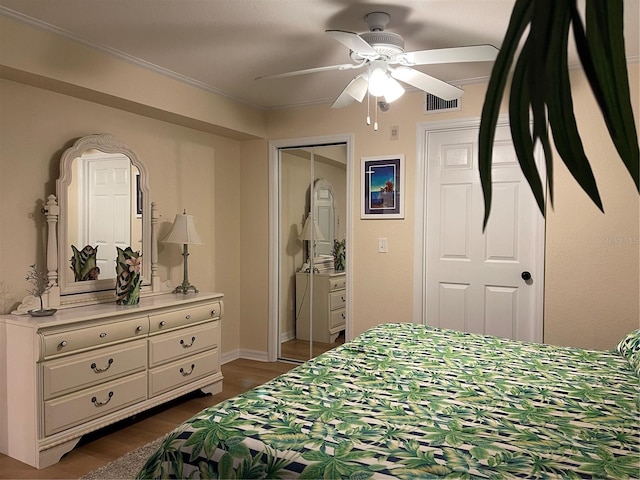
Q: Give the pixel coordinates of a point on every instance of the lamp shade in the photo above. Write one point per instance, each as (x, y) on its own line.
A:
(183, 230)
(393, 90)
(358, 87)
(377, 82)
(307, 231)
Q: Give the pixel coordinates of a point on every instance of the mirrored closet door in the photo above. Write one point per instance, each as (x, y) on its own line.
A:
(312, 221)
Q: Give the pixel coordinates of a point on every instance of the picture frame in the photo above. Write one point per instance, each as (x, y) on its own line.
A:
(382, 181)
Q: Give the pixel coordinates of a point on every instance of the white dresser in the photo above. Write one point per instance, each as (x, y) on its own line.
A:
(87, 367)
(329, 302)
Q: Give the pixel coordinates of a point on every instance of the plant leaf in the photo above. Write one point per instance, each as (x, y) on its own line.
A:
(520, 18)
(560, 104)
(520, 131)
(602, 55)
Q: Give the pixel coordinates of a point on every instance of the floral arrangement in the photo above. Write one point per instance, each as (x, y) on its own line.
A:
(339, 255)
(128, 278)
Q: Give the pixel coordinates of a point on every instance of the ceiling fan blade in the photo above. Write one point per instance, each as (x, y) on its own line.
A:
(354, 42)
(328, 68)
(343, 100)
(425, 82)
(475, 53)
(355, 90)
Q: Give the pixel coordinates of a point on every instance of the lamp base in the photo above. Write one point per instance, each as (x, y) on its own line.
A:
(306, 268)
(184, 288)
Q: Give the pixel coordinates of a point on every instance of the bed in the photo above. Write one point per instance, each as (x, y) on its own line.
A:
(411, 401)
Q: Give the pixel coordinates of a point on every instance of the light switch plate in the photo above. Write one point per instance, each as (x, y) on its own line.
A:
(395, 132)
(383, 246)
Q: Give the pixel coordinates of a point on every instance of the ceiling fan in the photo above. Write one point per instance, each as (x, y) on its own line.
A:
(387, 64)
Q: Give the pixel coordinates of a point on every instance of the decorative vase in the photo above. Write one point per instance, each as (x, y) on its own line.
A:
(339, 254)
(84, 263)
(128, 276)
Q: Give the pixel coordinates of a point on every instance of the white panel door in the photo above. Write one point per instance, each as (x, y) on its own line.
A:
(109, 225)
(474, 279)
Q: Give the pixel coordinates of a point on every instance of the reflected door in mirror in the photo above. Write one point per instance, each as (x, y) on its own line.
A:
(108, 194)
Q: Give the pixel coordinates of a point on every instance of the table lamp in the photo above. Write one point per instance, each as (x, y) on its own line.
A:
(184, 232)
(310, 235)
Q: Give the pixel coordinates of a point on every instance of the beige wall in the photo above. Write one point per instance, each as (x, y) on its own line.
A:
(592, 290)
(382, 283)
(254, 247)
(592, 260)
(44, 59)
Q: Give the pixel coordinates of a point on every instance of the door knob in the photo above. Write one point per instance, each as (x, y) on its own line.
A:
(525, 275)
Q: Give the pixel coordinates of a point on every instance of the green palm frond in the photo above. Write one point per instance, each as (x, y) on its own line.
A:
(605, 465)
(541, 92)
(213, 432)
(340, 461)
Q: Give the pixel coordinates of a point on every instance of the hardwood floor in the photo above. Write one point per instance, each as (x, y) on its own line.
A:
(112, 442)
(299, 349)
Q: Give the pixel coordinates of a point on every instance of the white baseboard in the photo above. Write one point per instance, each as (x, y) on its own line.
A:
(256, 355)
(286, 336)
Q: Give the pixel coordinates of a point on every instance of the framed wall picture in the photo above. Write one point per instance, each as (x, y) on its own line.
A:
(382, 187)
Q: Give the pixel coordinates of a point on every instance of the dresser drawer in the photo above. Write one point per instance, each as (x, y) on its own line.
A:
(181, 343)
(70, 410)
(181, 372)
(60, 343)
(337, 300)
(184, 316)
(337, 321)
(70, 373)
(337, 283)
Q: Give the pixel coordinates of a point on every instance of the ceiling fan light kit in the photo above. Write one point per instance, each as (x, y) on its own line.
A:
(377, 81)
(379, 51)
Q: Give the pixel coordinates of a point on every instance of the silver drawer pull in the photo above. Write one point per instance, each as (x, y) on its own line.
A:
(343, 316)
(187, 345)
(98, 403)
(213, 312)
(95, 368)
(63, 343)
(187, 317)
(102, 335)
(163, 323)
(186, 374)
(342, 298)
(139, 328)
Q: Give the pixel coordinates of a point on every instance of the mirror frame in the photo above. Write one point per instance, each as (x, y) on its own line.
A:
(102, 290)
(322, 183)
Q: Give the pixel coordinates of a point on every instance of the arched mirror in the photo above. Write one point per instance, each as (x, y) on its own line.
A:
(104, 204)
(326, 216)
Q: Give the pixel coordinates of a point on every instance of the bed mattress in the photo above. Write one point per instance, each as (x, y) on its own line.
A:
(411, 401)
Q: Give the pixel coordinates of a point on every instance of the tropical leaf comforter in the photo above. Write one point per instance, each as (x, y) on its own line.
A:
(412, 401)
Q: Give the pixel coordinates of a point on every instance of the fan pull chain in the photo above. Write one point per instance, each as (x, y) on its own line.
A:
(368, 103)
(375, 124)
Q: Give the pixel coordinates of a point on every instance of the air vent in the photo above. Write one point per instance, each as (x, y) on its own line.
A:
(433, 104)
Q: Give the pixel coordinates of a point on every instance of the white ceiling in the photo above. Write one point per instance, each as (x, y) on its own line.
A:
(223, 45)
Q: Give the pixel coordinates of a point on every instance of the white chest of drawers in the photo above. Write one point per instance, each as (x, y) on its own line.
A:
(87, 367)
(329, 301)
